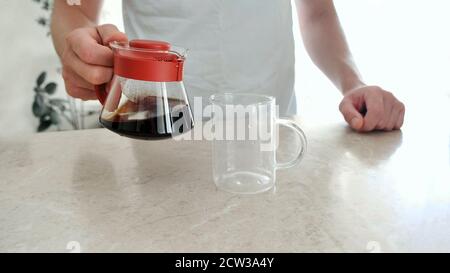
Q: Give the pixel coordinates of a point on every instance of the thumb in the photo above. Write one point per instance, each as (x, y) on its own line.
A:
(351, 114)
(109, 33)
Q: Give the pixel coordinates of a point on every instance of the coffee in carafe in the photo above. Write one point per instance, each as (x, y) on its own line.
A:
(146, 98)
(127, 121)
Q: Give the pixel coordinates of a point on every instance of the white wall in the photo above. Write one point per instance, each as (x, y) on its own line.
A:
(25, 53)
(402, 45)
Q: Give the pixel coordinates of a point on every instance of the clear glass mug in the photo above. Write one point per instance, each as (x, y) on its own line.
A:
(245, 140)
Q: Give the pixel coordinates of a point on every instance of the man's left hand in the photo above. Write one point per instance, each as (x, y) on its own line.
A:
(370, 108)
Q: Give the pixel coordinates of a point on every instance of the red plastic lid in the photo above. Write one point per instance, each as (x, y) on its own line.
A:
(149, 44)
(147, 60)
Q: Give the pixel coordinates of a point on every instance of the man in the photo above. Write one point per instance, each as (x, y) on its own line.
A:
(237, 46)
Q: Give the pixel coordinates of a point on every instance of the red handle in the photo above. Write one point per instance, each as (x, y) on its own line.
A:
(100, 91)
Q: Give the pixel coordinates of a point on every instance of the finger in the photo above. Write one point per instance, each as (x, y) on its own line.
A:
(383, 123)
(93, 74)
(375, 110)
(401, 117)
(90, 51)
(392, 121)
(110, 33)
(351, 114)
(393, 117)
(70, 76)
(80, 93)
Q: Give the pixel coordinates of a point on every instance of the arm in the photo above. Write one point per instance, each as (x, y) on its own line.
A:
(365, 108)
(66, 18)
(82, 46)
(325, 42)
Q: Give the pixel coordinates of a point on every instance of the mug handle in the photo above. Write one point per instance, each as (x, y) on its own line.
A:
(100, 91)
(303, 145)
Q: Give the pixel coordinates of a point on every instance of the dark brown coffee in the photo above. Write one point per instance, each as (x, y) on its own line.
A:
(142, 120)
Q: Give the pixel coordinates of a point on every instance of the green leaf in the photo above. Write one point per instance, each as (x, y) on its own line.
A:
(51, 88)
(44, 126)
(39, 108)
(45, 118)
(45, 123)
(60, 103)
(54, 117)
(57, 101)
(41, 79)
(36, 110)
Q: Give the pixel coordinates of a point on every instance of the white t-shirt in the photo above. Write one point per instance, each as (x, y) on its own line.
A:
(242, 46)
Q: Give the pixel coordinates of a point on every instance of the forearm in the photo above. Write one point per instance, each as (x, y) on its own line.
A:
(325, 42)
(66, 18)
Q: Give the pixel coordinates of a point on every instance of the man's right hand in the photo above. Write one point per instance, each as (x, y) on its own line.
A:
(87, 60)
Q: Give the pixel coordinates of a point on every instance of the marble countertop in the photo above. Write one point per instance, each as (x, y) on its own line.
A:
(102, 192)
